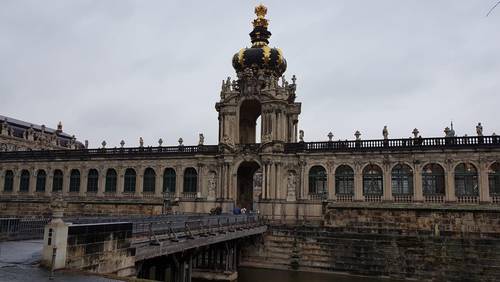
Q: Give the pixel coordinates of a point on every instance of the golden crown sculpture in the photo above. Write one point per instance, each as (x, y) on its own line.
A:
(261, 12)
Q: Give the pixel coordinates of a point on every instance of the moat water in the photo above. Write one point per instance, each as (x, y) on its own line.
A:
(261, 275)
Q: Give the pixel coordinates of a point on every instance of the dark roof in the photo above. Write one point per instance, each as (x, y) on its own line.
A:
(19, 125)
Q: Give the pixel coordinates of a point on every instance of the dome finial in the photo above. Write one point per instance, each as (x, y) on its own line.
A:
(260, 21)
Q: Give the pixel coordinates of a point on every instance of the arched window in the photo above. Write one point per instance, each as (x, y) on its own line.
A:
(190, 180)
(57, 183)
(24, 184)
(466, 183)
(402, 180)
(149, 180)
(494, 179)
(317, 180)
(373, 181)
(169, 180)
(9, 181)
(433, 180)
(74, 181)
(41, 179)
(93, 181)
(111, 177)
(344, 180)
(129, 181)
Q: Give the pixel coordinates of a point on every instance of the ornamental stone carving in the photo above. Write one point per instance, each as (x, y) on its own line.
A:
(291, 187)
(212, 185)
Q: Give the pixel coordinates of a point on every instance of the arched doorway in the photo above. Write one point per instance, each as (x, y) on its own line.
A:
(246, 172)
(250, 111)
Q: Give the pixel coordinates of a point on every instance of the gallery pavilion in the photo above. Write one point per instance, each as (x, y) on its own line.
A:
(282, 176)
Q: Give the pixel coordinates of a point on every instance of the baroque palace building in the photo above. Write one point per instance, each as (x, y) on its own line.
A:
(283, 176)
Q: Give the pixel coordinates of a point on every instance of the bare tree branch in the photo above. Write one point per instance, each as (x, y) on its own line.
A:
(492, 8)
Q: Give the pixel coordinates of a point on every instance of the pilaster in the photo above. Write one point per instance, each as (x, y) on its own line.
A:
(450, 184)
(32, 187)
(417, 183)
(331, 180)
(484, 194)
(66, 178)
(159, 180)
(387, 182)
(17, 178)
(84, 179)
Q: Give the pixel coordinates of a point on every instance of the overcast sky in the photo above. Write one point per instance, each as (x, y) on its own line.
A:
(113, 70)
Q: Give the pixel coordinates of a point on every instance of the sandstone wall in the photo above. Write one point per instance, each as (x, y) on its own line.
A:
(101, 248)
(41, 208)
(385, 242)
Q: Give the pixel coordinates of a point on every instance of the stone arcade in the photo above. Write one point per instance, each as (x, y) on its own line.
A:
(282, 178)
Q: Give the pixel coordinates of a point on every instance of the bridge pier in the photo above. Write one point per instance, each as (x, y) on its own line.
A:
(217, 262)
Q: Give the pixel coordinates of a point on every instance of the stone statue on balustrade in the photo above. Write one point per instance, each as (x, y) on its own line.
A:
(479, 129)
(385, 132)
(201, 139)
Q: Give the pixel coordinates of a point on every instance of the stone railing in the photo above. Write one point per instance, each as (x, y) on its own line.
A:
(373, 198)
(120, 153)
(402, 198)
(468, 199)
(434, 198)
(149, 195)
(189, 195)
(317, 196)
(395, 144)
(495, 199)
(344, 197)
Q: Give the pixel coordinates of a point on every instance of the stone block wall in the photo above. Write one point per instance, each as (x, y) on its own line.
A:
(101, 248)
(41, 207)
(381, 243)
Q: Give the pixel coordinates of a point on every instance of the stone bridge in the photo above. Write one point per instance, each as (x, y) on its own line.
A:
(166, 248)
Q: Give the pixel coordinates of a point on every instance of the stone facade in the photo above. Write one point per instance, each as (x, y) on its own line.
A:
(283, 176)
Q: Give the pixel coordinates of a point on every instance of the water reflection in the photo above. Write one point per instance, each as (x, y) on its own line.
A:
(262, 275)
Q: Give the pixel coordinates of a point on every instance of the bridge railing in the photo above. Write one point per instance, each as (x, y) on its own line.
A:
(22, 228)
(203, 225)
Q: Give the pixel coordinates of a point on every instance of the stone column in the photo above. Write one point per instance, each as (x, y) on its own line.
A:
(200, 180)
(483, 182)
(32, 181)
(180, 182)
(223, 181)
(49, 181)
(139, 181)
(450, 184)
(17, 178)
(331, 181)
(273, 126)
(417, 184)
(265, 175)
(2, 180)
(159, 181)
(358, 184)
(101, 181)
(387, 183)
(302, 180)
(279, 182)
(66, 178)
(272, 186)
(84, 178)
(120, 179)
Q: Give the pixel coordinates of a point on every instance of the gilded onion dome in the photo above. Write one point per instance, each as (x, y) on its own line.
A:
(260, 55)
